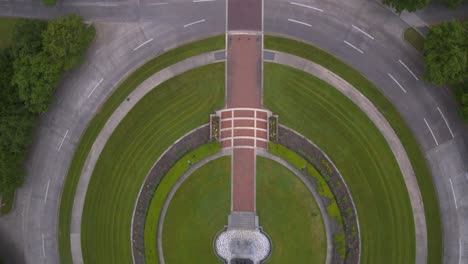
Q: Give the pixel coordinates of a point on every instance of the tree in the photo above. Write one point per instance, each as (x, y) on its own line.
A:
(446, 53)
(66, 40)
(453, 3)
(27, 36)
(408, 5)
(36, 78)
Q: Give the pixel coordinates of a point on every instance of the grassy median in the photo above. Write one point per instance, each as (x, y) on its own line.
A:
(287, 212)
(355, 78)
(101, 117)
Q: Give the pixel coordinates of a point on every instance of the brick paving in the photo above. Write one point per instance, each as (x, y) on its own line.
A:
(243, 124)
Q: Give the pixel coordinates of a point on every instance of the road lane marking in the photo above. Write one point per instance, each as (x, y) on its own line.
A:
(408, 69)
(92, 91)
(142, 44)
(193, 23)
(201, 1)
(459, 250)
(107, 5)
(47, 191)
(399, 85)
(432, 133)
(299, 22)
(363, 32)
(453, 194)
(354, 47)
(43, 246)
(306, 6)
(446, 123)
(63, 139)
(156, 4)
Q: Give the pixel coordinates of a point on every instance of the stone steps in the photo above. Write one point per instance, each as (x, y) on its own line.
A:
(243, 220)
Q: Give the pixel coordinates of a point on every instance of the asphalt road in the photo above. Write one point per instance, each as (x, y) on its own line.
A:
(363, 33)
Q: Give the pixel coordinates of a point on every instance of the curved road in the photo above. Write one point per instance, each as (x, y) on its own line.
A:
(363, 33)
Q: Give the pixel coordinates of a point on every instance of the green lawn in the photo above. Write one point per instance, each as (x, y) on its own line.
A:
(6, 31)
(337, 126)
(163, 189)
(414, 38)
(431, 206)
(287, 211)
(161, 117)
(101, 117)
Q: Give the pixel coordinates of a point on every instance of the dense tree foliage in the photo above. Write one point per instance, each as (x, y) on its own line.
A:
(55, 48)
(446, 53)
(66, 40)
(16, 124)
(29, 74)
(461, 94)
(453, 3)
(408, 5)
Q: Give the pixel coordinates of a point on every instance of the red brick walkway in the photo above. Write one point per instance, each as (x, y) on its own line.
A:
(244, 125)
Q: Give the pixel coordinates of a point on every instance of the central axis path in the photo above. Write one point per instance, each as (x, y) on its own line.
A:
(243, 130)
(244, 126)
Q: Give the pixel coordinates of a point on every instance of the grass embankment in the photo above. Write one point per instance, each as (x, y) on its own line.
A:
(101, 117)
(321, 113)
(414, 38)
(163, 189)
(431, 206)
(159, 119)
(287, 211)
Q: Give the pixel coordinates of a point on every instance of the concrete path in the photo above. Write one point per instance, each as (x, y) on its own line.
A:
(387, 131)
(107, 131)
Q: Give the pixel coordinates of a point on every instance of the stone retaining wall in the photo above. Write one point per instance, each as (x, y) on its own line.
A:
(184, 145)
(315, 156)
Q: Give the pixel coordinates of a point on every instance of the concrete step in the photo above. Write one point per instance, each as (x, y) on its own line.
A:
(243, 220)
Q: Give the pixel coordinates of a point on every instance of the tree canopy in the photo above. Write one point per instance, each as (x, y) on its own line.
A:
(446, 53)
(408, 5)
(29, 74)
(43, 53)
(453, 3)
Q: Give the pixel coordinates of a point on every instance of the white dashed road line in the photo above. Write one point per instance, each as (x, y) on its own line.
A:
(47, 191)
(193, 23)
(354, 47)
(432, 133)
(459, 250)
(156, 4)
(399, 85)
(92, 91)
(201, 1)
(299, 22)
(363, 32)
(307, 6)
(63, 139)
(43, 246)
(408, 69)
(107, 5)
(142, 44)
(453, 194)
(446, 122)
